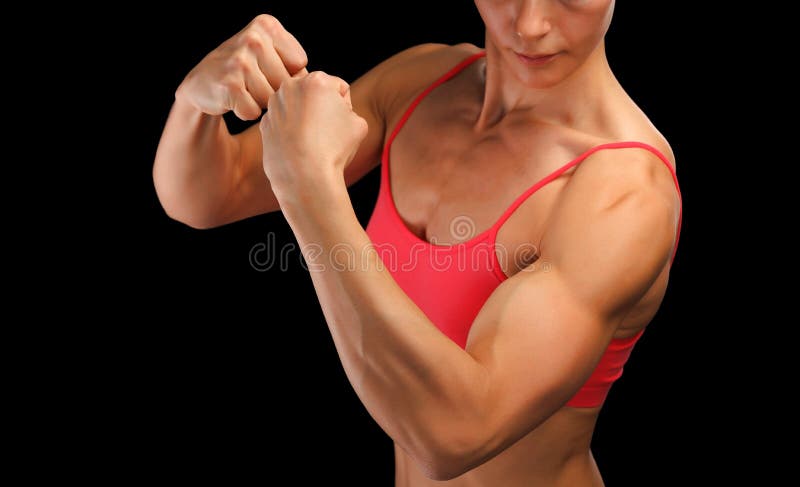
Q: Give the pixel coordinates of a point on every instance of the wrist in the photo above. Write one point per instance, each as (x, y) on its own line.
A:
(320, 193)
(186, 110)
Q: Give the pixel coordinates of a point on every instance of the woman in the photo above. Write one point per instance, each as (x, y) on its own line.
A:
(485, 368)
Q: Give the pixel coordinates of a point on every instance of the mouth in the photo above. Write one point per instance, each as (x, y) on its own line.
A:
(535, 59)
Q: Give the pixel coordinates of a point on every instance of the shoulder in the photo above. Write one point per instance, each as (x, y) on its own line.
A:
(622, 120)
(628, 186)
(623, 192)
(614, 227)
(428, 57)
(617, 193)
(431, 56)
(613, 172)
(410, 71)
(632, 155)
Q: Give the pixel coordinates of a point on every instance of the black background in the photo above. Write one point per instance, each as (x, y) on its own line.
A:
(222, 363)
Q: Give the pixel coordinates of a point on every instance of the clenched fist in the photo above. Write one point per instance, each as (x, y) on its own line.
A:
(244, 71)
(309, 134)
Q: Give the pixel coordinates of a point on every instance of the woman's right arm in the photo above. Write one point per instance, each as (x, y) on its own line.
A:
(204, 176)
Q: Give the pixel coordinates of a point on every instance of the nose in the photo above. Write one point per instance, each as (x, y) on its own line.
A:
(533, 20)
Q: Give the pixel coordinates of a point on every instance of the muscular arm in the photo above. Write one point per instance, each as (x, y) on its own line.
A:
(535, 341)
(206, 177)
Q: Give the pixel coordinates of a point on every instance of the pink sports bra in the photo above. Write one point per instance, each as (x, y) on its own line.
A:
(450, 283)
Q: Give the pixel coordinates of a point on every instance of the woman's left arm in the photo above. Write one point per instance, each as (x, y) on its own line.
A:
(537, 338)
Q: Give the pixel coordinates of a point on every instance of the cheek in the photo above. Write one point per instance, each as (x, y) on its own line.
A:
(583, 35)
(496, 17)
(589, 24)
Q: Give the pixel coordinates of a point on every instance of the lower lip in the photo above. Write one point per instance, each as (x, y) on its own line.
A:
(539, 61)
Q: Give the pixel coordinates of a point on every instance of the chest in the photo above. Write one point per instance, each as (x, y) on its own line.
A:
(450, 184)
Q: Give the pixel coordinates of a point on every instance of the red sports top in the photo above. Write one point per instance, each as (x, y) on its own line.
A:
(450, 283)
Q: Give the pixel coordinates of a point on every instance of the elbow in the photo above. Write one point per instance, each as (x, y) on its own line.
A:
(446, 465)
(179, 209)
(191, 217)
(451, 456)
(455, 438)
(187, 218)
(442, 472)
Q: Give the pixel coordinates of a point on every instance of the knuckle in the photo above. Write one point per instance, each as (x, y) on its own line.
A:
(317, 78)
(273, 101)
(281, 86)
(268, 23)
(252, 39)
(238, 61)
(233, 86)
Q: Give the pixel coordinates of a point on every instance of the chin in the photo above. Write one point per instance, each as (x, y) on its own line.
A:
(538, 77)
(540, 81)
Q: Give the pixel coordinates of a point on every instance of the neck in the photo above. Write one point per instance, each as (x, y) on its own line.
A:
(568, 102)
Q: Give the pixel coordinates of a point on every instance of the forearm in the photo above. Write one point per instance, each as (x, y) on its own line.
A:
(196, 165)
(421, 387)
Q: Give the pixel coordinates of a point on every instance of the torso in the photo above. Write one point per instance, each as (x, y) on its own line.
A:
(440, 171)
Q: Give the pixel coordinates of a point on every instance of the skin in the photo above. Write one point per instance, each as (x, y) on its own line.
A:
(493, 413)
